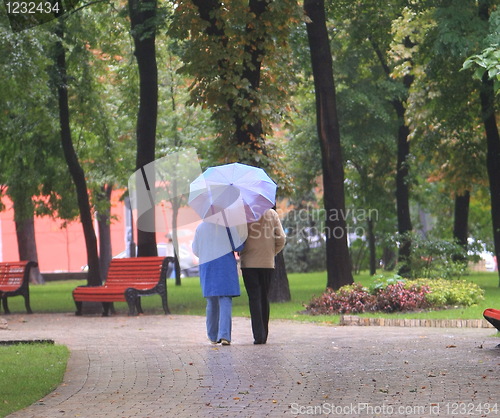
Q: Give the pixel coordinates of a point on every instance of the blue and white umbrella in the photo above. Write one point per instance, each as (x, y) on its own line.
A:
(232, 194)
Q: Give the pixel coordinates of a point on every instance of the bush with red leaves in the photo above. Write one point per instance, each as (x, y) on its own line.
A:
(398, 298)
(348, 299)
(357, 299)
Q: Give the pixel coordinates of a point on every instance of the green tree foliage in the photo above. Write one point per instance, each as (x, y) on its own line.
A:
(327, 122)
(30, 152)
(450, 110)
(237, 56)
(444, 105)
(180, 125)
(32, 166)
(368, 122)
(143, 25)
(243, 68)
(103, 82)
(488, 61)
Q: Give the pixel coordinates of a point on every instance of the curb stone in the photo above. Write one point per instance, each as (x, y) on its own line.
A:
(353, 320)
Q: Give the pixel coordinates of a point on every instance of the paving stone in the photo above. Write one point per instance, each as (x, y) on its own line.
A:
(161, 366)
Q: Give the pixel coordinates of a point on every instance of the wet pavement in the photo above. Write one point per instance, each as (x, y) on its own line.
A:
(164, 366)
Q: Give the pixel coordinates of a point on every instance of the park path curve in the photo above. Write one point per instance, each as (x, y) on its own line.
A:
(163, 366)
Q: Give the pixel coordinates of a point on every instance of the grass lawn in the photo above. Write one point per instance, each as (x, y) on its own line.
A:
(28, 372)
(187, 300)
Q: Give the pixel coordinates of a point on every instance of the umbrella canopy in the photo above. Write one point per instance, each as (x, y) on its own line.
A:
(232, 194)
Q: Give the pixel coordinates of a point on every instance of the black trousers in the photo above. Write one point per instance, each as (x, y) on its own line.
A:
(257, 282)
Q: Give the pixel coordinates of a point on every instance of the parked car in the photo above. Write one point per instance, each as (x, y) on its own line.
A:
(489, 261)
(187, 260)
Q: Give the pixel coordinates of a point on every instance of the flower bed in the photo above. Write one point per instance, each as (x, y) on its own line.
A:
(396, 295)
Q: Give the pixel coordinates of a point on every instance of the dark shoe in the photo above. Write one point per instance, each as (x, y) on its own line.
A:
(259, 342)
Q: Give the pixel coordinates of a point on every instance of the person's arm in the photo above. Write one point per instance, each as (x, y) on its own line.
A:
(240, 234)
(195, 245)
(279, 235)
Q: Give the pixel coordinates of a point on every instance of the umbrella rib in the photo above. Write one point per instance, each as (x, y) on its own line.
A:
(255, 189)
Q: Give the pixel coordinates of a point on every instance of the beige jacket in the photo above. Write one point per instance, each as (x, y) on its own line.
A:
(266, 238)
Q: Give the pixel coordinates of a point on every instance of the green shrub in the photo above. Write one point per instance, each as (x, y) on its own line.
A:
(381, 281)
(443, 292)
(393, 294)
(402, 297)
(434, 257)
(395, 297)
(451, 292)
(348, 299)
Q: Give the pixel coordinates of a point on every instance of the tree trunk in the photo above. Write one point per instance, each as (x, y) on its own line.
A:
(389, 258)
(142, 15)
(104, 225)
(460, 224)
(338, 262)
(403, 196)
(405, 226)
(176, 201)
(371, 246)
(26, 244)
(129, 229)
(492, 158)
(175, 238)
(461, 219)
(493, 164)
(279, 291)
(25, 228)
(487, 95)
(251, 135)
(357, 258)
(248, 135)
(402, 190)
(76, 171)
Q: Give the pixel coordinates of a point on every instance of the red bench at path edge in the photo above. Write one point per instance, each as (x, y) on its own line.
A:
(128, 280)
(493, 317)
(14, 281)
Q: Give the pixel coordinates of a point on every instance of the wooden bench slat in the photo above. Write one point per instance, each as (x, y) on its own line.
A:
(128, 279)
(14, 281)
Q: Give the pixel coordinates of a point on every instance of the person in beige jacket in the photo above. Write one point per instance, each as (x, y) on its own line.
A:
(266, 238)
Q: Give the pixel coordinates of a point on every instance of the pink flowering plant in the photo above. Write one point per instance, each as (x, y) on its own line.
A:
(395, 295)
(400, 297)
(348, 299)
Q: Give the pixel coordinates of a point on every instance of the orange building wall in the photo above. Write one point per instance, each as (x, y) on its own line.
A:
(63, 249)
(59, 249)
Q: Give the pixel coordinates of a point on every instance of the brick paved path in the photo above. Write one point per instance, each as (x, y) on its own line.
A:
(162, 366)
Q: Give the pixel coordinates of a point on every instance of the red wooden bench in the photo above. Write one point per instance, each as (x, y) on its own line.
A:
(14, 281)
(493, 317)
(128, 279)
